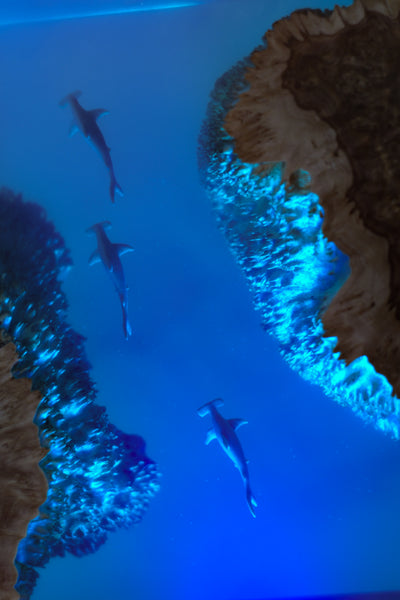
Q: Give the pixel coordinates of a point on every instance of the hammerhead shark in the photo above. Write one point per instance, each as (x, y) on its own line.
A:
(109, 254)
(86, 122)
(224, 430)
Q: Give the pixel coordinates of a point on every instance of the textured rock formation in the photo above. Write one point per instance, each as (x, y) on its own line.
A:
(324, 97)
(299, 154)
(99, 478)
(23, 485)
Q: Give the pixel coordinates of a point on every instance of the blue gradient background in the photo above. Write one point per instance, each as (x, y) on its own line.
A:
(328, 487)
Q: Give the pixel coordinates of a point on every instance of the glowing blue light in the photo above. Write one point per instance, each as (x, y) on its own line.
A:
(46, 18)
(6, 321)
(274, 231)
(87, 456)
(45, 356)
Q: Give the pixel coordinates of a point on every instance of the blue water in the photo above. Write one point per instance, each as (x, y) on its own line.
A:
(327, 486)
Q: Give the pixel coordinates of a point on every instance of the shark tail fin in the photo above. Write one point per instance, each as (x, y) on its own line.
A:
(114, 187)
(125, 321)
(205, 409)
(251, 501)
(68, 97)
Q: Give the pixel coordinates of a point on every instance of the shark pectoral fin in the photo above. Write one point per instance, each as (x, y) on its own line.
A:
(236, 423)
(94, 258)
(73, 129)
(99, 112)
(210, 436)
(123, 248)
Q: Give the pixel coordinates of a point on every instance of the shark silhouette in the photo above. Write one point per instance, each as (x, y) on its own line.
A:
(86, 122)
(224, 430)
(109, 254)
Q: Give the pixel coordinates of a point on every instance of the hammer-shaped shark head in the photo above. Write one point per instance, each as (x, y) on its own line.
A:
(101, 225)
(206, 408)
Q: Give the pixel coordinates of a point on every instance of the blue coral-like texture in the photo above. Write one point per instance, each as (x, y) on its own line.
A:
(99, 477)
(274, 230)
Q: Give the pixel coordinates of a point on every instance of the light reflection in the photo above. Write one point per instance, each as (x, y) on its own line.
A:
(45, 18)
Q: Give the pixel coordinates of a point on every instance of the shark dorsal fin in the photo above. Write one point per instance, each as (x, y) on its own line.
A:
(123, 248)
(236, 423)
(98, 112)
(225, 441)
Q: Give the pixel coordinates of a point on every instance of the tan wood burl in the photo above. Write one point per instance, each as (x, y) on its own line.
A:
(23, 485)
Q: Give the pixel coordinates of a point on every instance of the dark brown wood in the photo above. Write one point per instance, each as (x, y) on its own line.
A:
(324, 97)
